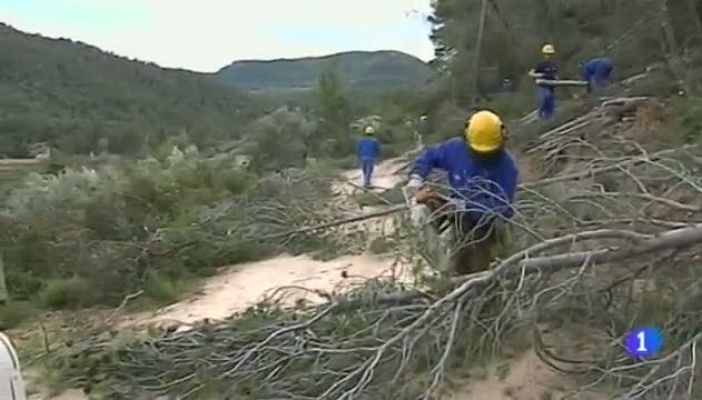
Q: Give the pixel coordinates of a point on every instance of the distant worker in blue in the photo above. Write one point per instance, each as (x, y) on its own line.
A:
(596, 72)
(368, 151)
(482, 175)
(548, 70)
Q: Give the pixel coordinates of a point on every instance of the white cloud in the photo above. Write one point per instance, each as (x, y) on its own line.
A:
(205, 35)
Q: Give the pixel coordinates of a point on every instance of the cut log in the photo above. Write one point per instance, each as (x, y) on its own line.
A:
(625, 101)
(550, 82)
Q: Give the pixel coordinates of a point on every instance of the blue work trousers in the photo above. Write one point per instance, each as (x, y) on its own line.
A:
(546, 103)
(367, 165)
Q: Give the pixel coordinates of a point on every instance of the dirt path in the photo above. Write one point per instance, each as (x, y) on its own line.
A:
(385, 176)
(240, 286)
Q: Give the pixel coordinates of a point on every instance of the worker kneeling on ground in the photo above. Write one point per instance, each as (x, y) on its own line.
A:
(483, 179)
(368, 151)
(596, 73)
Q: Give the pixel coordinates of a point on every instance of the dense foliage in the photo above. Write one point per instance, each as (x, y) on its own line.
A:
(80, 99)
(335, 112)
(281, 139)
(91, 236)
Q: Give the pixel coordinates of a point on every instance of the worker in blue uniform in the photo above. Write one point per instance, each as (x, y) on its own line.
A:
(596, 72)
(482, 175)
(368, 151)
(547, 70)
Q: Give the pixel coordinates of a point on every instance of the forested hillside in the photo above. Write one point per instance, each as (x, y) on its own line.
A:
(81, 99)
(362, 72)
(633, 33)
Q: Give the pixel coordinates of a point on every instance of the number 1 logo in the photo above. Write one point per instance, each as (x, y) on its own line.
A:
(644, 343)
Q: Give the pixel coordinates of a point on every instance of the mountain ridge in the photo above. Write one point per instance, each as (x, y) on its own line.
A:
(322, 57)
(359, 70)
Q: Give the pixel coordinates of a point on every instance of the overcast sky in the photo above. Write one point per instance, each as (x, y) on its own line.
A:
(205, 35)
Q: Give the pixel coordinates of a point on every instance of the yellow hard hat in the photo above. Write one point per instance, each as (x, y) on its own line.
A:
(548, 49)
(485, 132)
(369, 130)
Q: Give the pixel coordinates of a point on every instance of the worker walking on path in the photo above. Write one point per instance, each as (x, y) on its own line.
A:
(596, 72)
(482, 175)
(368, 151)
(547, 70)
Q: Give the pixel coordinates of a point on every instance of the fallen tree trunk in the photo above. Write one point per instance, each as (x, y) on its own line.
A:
(519, 263)
(672, 239)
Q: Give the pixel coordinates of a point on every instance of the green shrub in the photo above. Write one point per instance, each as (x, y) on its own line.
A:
(14, 313)
(281, 139)
(91, 237)
(66, 293)
(236, 181)
(164, 290)
(42, 193)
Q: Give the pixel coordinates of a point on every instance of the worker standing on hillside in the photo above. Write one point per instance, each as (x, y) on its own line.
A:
(596, 73)
(547, 70)
(368, 151)
(483, 176)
